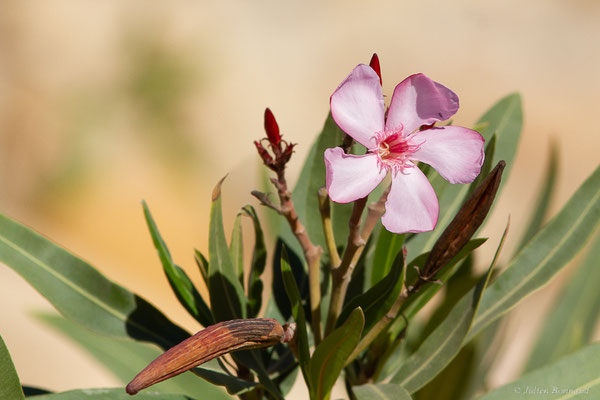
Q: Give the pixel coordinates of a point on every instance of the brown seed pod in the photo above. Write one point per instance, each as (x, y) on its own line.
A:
(212, 342)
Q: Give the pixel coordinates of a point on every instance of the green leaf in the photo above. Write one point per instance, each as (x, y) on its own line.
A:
(80, 292)
(378, 300)
(125, 358)
(505, 121)
(279, 304)
(293, 293)
(388, 246)
(202, 264)
(10, 386)
(226, 293)
(572, 377)
(236, 248)
(257, 266)
(417, 301)
(444, 343)
(180, 283)
(312, 177)
(109, 394)
(544, 197)
(382, 391)
(234, 385)
(253, 359)
(570, 324)
(331, 355)
(390, 361)
(549, 251)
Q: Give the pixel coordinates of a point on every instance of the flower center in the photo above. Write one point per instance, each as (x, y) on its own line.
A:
(394, 151)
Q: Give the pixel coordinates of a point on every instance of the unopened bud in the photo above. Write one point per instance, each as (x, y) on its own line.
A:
(374, 63)
(272, 128)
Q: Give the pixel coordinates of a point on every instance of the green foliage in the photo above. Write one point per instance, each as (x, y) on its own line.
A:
(574, 315)
(257, 265)
(544, 255)
(388, 246)
(226, 293)
(109, 394)
(125, 358)
(10, 386)
(293, 293)
(180, 283)
(331, 355)
(80, 292)
(312, 177)
(445, 341)
(376, 301)
(382, 391)
(570, 377)
(543, 199)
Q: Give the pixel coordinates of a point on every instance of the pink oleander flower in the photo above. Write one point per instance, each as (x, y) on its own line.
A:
(395, 142)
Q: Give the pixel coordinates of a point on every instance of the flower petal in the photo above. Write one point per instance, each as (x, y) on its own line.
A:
(357, 105)
(455, 152)
(417, 101)
(350, 177)
(411, 205)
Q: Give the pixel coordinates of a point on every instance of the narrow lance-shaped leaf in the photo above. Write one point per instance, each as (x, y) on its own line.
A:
(10, 386)
(548, 252)
(572, 377)
(125, 358)
(227, 297)
(257, 266)
(382, 391)
(331, 354)
(202, 264)
(445, 341)
(180, 283)
(388, 246)
(505, 121)
(236, 248)
(571, 323)
(378, 300)
(293, 293)
(544, 198)
(312, 177)
(80, 292)
(108, 394)
(389, 361)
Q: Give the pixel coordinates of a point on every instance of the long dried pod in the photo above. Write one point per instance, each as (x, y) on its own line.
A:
(212, 342)
(468, 219)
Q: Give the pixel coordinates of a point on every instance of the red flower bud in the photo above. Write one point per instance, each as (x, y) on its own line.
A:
(272, 128)
(374, 63)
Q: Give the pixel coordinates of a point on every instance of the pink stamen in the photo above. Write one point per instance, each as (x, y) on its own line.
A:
(394, 151)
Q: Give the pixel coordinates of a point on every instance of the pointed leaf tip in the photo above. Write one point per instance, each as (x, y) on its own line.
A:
(217, 190)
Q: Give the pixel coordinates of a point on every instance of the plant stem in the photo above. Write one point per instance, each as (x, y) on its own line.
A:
(325, 209)
(312, 253)
(341, 275)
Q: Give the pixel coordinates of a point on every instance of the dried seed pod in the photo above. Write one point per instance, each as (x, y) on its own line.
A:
(212, 342)
(468, 219)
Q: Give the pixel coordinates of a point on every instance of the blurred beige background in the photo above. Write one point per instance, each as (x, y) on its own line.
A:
(103, 104)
